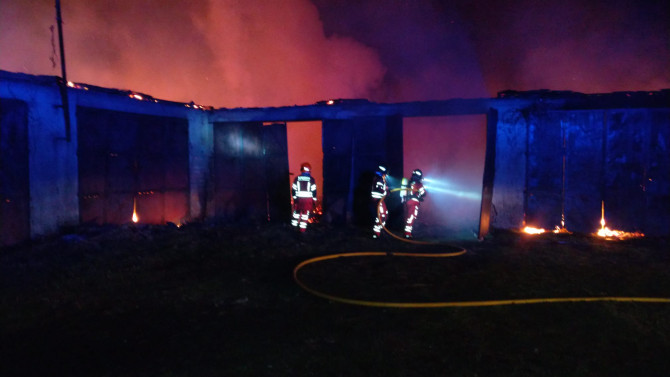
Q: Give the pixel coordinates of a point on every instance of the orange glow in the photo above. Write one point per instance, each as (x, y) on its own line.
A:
(76, 86)
(607, 233)
(198, 107)
(135, 217)
(561, 229)
(315, 217)
(304, 144)
(533, 230)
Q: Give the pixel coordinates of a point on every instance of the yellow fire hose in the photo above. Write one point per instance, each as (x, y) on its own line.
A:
(352, 301)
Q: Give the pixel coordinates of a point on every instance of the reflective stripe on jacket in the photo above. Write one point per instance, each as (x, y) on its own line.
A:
(304, 186)
(379, 188)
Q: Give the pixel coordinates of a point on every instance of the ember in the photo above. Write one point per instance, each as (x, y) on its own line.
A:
(315, 216)
(76, 86)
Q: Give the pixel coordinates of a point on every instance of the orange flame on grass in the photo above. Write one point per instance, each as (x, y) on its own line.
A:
(607, 233)
(561, 229)
(533, 230)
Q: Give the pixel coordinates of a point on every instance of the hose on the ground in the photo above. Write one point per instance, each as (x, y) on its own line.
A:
(500, 302)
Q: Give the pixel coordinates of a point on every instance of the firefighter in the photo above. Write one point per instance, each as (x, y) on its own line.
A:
(379, 192)
(303, 192)
(415, 193)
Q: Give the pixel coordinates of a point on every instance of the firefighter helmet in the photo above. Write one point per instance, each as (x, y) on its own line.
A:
(417, 175)
(305, 167)
(381, 169)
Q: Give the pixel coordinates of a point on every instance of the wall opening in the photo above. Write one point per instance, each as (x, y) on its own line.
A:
(14, 180)
(450, 151)
(132, 167)
(304, 145)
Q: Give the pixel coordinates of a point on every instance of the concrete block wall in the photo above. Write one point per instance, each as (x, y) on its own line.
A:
(521, 123)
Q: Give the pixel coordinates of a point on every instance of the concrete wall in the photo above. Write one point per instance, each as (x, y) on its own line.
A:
(53, 166)
(14, 185)
(201, 150)
(546, 152)
(52, 160)
(558, 166)
(509, 182)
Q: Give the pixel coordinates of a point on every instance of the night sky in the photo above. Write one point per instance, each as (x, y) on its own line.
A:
(296, 52)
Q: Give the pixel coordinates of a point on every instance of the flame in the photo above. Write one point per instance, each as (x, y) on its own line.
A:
(608, 233)
(74, 85)
(196, 106)
(561, 229)
(533, 230)
(135, 217)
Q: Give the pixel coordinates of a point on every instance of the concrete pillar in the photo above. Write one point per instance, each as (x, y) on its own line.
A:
(52, 160)
(201, 151)
(510, 170)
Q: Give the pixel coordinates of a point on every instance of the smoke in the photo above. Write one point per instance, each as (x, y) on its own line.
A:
(424, 45)
(219, 53)
(230, 53)
(590, 47)
(450, 153)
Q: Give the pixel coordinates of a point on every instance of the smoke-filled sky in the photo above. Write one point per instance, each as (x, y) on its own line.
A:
(231, 53)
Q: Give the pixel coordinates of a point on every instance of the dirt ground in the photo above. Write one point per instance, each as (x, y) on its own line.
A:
(221, 300)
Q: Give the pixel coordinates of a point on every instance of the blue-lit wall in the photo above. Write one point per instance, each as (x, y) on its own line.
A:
(125, 153)
(14, 198)
(562, 167)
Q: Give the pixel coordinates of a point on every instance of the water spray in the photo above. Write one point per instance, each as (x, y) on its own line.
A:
(444, 187)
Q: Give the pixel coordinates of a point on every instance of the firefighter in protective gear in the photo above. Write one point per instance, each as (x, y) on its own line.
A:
(303, 192)
(379, 192)
(415, 193)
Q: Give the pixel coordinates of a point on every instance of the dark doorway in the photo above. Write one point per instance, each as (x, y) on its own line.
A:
(132, 163)
(14, 184)
(250, 172)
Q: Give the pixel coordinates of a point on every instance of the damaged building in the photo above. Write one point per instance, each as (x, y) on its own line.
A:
(552, 159)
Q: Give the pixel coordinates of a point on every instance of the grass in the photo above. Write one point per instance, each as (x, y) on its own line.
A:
(220, 300)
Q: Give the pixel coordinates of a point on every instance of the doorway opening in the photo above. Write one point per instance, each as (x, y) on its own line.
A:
(304, 145)
(450, 151)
